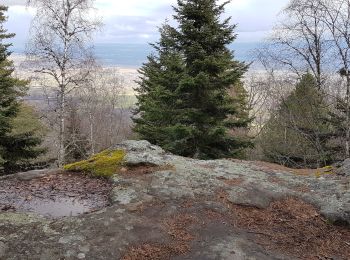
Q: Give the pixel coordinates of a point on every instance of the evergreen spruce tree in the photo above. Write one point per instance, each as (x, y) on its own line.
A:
(183, 100)
(298, 134)
(14, 148)
(158, 94)
(337, 119)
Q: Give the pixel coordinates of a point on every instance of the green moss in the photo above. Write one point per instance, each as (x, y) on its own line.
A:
(327, 170)
(104, 164)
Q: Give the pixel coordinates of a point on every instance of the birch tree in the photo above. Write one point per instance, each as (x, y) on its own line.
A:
(299, 41)
(59, 49)
(333, 18)
(335, 14)
(102, 108)
(315, 37)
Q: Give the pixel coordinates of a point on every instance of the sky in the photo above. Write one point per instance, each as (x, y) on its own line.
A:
(136, 21)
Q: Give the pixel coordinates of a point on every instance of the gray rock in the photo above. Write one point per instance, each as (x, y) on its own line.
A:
(344, 169)
(135, 158)
(122, 195)
(234, 248)
(141, 153)
(252, 197)
(3, 249)
(27, 176)
(70, 239)
(84, 249)
(141, 205)
(138, 146)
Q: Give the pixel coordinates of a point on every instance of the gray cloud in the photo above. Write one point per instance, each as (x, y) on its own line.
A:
(129, 28)
(135, 28)
(253, 21)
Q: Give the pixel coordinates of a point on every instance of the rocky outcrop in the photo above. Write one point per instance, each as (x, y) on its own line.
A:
(190, 178)
(344, 169)
(169, 207)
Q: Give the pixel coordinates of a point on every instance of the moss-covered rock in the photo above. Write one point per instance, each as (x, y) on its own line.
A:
(103, 164)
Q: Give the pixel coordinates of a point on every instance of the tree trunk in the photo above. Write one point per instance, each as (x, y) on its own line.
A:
(92, 141)
(347, 140)
(62, 110)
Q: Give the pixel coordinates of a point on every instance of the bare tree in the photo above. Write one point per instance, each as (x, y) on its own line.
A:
(59, 49)
(103, 109)
(313, 37)
(299, 42)
(333, 18)
(265, 90)
(335, 14)
(303, 42)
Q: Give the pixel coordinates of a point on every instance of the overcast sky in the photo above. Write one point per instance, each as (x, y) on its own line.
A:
(136, 21)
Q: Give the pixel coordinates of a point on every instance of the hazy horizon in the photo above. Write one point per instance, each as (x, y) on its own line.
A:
(132, 55)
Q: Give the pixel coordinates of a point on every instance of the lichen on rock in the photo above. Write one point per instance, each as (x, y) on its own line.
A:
(104, 164)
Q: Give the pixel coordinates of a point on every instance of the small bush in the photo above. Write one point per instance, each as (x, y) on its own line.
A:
(104, 164)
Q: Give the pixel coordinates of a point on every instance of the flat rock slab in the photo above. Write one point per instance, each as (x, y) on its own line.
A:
(253, 197)
(30, 175)
(190, 209)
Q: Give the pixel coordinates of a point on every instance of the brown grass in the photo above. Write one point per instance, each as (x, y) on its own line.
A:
(177, 227)
(148, 252)
(272, 167)
(292, 227)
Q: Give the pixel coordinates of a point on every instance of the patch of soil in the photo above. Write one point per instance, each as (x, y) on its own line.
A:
(274, 179)
(272, 167)
(302, 188)
(206, 166)
(294, 227)
(55, 195)
(144, 170)
(178, 228)
(288, 227)
(148, 252)
(232, 182)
